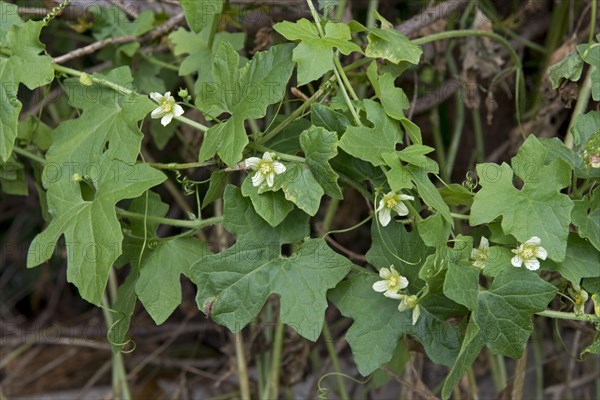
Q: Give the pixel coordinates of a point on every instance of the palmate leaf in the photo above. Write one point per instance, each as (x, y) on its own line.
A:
(200, 14)
(314, 54)
(244, 93)
(158, 285)
(504, 312)
(234, 285)
(369, 144)
(99, 148)
(320, 146)
(378, 324)
(538, 209)
(25, 65)
(90, 226)
(196, 46)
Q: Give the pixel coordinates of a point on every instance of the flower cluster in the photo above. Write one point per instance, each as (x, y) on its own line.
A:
(266, 168)
(392, 285)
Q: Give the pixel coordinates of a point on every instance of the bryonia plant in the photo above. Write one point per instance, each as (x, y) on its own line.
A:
(273, 165)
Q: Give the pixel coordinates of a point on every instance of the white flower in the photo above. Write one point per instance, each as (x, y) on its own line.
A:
(167, 109)
(409, 302)
(391, 284)
(265, 168)
(528, 253)
(480, 255)
(392, 202)
(580, 297)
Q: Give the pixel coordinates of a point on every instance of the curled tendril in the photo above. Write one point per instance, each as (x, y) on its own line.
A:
(152, 243)
(470, 182)
(55, 12)
(323, 390)
(188, 185)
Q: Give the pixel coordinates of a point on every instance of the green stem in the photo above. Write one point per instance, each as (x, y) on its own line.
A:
(330, 214)
(581, 105)
(300, 110)
(177, 166)
(334, 361)
(192, 123)
(122, 90)
(213, 30)
(519, 82)
(479, 142)
(373, 5)
(283, 156)
(29, 154)
(460, 216)
(340, 70)
(273, 384)
(315, 16)
(593, 21)
(439, 141)
(347, 98)
(242, 367)
(338, 76)
(198, 224)
(160, 63)
(568, 315)
(119, 375)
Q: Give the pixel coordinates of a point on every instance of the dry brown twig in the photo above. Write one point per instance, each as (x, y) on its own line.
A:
(153, 34)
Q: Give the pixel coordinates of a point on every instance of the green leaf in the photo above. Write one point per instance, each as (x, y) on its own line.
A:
(25, 65)
(456, 195)
(314, 54)
(369, 144)
(196, 46)
(434, 230)
(218, 181)
(393, 46)
(244, 93)
(271, 206)
(429, 193)
(581, 261)
(122, 310)
(158, 286)
(88, 221)
(593, 348)
(591, 55)
(36, 132)
(462, 283)
(320, 146)
(569, 68)
(10, 17)
(373, 335)
(300, 187)
(470, 349)
(200, 14)
(586, 125)
(287, 141)
(241, 219)
(109, 122)
(538, 209)
(586, 217)
(557, 149)
(504, 312)
(329, 119)
(498, 261)
(393, 99)
(112, 22)
(12, 178)
(238, 281)
(393, 245)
